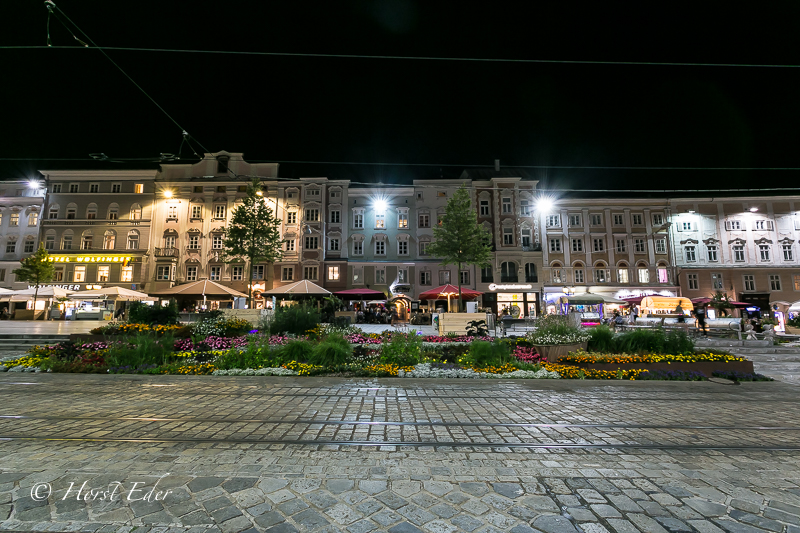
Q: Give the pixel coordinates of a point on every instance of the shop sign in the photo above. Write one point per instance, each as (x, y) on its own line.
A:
(68, 287)
(89, 258)
(625, 293)
(495, 287)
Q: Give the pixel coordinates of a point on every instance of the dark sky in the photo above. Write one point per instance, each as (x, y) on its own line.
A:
(68, 103)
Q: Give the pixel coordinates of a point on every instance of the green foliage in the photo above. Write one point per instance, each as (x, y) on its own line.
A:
(36, 269)
(403, 350)
(602, 339)
(294, 319)
(483, 353)
(140, 313)
(297, 350)
(253, 356)
(222, 326)
(140, 349)
(460, 240)
(333, 351)
(477, 328)
(252, 232)
(654, 341)
(794, 322)
(721, 303)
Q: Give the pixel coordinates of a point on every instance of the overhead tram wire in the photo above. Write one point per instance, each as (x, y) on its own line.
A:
(415, 58)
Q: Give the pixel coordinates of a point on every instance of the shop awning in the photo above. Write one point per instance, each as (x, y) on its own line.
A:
(27, 294)
(586, 298)
(110, 293)
(706, 301)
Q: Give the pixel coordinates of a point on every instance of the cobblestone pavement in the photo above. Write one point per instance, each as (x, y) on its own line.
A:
(185, 453)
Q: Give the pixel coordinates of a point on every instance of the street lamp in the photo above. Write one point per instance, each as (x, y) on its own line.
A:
(167, 193)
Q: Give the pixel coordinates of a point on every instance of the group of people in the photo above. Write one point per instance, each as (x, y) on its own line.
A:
(699, 314)
(375, 315)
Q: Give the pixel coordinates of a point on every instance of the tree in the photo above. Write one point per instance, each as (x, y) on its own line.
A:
(459, 239)
(721, 302)
(253, 234)
(36, 269)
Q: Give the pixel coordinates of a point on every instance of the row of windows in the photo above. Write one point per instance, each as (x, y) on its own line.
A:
(693, 282)
(94, 188)
(596, 219)
(484, 207)
(91, 212)
(738, 253)
(87, 241)
(78, 274)
(13, 219)
(599, 245)
(603, 275)
(28, 245)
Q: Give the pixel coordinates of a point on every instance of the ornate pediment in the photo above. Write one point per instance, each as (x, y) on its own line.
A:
(690, 241)
(763, 240)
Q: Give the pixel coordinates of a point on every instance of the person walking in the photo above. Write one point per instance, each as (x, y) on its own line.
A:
(700, 316)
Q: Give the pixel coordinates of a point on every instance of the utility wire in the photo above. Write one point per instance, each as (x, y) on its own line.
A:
(421, 58)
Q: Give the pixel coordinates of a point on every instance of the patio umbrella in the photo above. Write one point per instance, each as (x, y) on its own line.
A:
(301, 287)
(360, 294)
(27, 294)
(110, 293)
(446, 291)
(204, 288)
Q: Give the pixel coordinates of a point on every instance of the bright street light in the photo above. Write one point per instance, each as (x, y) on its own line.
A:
(544, 204)
(380, 205)
(33, 184)
(167, 194)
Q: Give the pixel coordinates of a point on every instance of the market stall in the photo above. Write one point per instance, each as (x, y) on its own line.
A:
(202, 295)
(665, 306)
(590, 308)
(102, 304)
(46, 298)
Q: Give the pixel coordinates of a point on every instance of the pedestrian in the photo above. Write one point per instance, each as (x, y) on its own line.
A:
(634, 314)
(700, 315)
(681, 316)
(618, 320)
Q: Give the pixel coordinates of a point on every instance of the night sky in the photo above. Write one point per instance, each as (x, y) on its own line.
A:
(68, 103)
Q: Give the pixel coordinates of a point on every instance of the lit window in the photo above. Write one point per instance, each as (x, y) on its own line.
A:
(133, 241)
(136, 212)
(14, 219)
(138, 188)
(103, 272)
(622, 275)
(644, 275)
(109, 240)
(86, 242)
(380, 220)
(33, 219)
(333, 273)
(79, 274)
(402, 219)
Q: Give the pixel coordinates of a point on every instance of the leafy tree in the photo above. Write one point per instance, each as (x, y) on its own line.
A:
(36, 269)
(253, 233)
(459, 239)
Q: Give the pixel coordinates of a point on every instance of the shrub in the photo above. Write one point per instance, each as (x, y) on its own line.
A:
(654, 341)
(602, 339)
(141, 313)
(333, 351)
(221, 326)
(252, 357)
(141, 349)
(402, 350)
(294, 319)
(482, 354)
(296, 350)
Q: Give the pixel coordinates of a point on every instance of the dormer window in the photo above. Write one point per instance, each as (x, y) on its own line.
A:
(222, 164)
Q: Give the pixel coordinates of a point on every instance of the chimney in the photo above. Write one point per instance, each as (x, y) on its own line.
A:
(497, 165)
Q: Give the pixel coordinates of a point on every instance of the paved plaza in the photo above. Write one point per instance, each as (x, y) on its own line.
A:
(230, 454)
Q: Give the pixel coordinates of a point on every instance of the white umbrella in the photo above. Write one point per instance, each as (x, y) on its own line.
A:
(795, 307)
(48, 292)
(111, 293)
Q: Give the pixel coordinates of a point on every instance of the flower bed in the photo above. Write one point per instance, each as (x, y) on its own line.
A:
(602, 358)
(703, 363)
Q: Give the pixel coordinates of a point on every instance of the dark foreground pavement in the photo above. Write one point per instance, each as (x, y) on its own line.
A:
(182, 453)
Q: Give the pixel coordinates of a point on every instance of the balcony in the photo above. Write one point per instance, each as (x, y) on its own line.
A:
(166, 252)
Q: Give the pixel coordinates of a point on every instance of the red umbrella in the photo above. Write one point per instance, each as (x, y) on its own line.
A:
(361, 294)
(448, 290)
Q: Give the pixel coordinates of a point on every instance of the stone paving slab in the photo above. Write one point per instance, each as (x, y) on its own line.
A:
(227, 486)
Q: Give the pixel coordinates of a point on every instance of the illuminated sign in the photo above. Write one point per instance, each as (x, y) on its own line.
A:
(89, 259)
(494, 287)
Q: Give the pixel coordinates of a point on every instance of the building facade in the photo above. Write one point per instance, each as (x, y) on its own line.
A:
(96, 227)
(745, 247)
(613, 248)
(20, 219)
